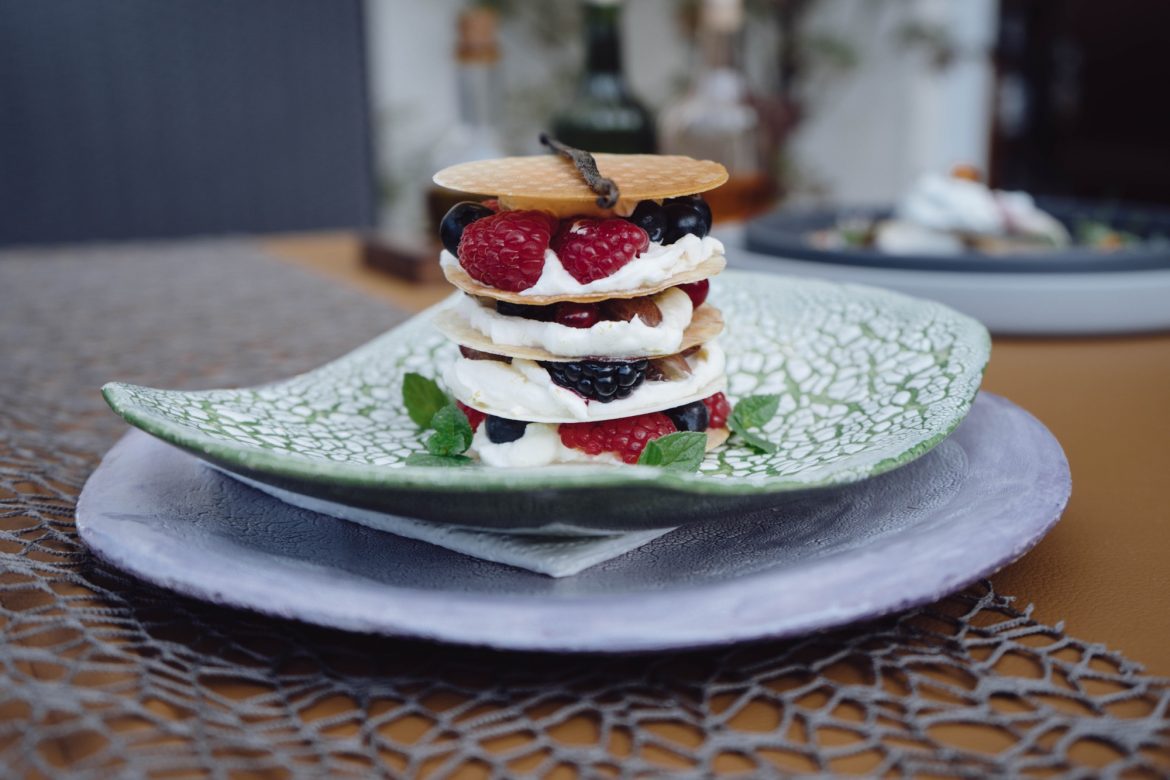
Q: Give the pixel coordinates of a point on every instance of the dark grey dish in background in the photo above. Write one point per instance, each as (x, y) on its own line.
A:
(785, 233)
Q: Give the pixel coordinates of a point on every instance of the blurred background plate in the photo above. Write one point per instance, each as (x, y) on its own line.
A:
(787, 233)
(1011, 300)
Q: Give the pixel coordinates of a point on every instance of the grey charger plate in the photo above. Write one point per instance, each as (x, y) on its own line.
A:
(784, 233)
(975, 503)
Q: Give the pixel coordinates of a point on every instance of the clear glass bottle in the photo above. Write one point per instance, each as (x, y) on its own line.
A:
(604, 115)
(715, 119)
(475, 135)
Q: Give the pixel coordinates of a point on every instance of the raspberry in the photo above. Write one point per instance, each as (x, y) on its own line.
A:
(697, 291)
(506, 250)
(718, 410)
(474, 416)
(626, 437)
(591, 249)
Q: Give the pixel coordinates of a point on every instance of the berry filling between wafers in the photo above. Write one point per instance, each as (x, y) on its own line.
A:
(585, 390)
(531, 252)
(630, 327)
(608, 441)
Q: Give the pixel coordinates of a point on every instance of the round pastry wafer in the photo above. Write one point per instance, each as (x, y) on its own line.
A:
(706, 324)
(552, 177)
(460, 278)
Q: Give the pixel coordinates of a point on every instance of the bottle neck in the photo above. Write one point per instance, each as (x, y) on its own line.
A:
(718, 77)
(718, 50)
(603, 42)
(478, 89)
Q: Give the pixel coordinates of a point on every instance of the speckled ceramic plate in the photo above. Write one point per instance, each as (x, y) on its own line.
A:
(869, 380)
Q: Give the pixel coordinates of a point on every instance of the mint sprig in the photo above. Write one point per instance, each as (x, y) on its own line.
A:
(452, 434)
(430, 408)
(423, 398)
(682, 451)
(750, 415)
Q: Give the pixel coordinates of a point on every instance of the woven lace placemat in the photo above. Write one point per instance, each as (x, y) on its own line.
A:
(104, 676)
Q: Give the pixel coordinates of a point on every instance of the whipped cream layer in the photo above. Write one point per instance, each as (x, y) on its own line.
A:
(605, 339)
(951, 204)
(523, 390)
(654, 266)
(539, 446)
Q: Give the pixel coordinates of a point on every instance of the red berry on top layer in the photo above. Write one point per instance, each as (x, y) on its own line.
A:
(506, 250)
(697, 291)
(626, 437)
(718, 409)
(474, 416)
(592, 249)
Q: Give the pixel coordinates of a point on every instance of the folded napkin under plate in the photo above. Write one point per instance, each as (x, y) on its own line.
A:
(556, 555)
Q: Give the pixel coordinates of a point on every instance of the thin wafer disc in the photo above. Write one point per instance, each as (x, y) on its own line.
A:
(552, 177)
(458, 277)
(706, 324)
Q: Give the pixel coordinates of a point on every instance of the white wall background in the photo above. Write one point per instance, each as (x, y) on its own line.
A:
(870, 133)
(867, 135)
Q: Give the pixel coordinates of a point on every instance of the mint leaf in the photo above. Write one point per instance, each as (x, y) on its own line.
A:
(754, 412)
(452, 434)
(682, 451)
(422, 398)
(448, 461)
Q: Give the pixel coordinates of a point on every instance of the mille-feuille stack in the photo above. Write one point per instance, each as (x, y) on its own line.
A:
(584, 332)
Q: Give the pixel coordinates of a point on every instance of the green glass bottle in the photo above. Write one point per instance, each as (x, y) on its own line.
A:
(604, 115)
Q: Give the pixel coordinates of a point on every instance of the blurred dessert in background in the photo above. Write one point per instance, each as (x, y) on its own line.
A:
(958, 213)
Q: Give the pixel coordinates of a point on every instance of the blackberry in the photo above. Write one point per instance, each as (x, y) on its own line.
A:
(599, 380)
(459, 217)
(691, 417)
(501, 430)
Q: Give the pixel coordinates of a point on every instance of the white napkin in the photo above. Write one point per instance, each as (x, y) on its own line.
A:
(554, 555)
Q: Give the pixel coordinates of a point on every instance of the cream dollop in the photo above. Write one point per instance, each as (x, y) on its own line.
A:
(954, 204)
(523, 390)
(539, 446)
(653, 267)
(605, 339)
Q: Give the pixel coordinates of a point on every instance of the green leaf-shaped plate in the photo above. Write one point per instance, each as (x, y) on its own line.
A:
(868, 381)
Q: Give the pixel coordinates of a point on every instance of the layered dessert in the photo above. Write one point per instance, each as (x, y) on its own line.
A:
(584, 328)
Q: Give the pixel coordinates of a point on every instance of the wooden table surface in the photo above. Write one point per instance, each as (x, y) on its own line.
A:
(1105, 569)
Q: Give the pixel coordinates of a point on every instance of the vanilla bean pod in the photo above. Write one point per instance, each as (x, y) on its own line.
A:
(606, 189)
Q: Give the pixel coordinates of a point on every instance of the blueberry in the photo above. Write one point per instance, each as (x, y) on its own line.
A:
(698, 202)
(457, 219)
(692, 417)
(650, 217)
(502, 431)
(683, 218)
(527, 311)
